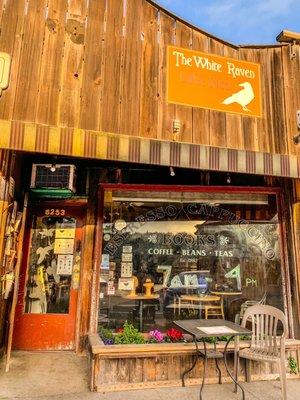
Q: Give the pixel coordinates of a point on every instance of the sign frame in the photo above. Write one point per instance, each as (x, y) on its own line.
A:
(258, 84)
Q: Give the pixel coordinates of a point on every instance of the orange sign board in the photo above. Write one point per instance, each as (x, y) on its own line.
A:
(209, 81)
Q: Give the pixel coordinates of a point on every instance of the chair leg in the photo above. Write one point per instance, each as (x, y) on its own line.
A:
(236, 362)
(282, 373)
(222, 309)
(237, 318)
(248, 370)
(236, 372)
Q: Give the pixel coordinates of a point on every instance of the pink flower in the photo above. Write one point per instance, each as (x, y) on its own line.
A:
(157, 335)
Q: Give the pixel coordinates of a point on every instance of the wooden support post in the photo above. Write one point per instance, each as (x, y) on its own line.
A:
(296, 239)
(16, 283)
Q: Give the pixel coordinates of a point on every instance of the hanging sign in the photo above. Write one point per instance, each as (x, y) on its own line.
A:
(214, 82)
(5, 62)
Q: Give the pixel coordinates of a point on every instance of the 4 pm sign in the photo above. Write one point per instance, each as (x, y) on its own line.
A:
(208, 81)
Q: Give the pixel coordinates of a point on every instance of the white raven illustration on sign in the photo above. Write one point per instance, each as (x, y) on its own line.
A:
(243, 97)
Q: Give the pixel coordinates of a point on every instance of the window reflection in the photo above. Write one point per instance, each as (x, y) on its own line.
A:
(50, 265)
(197, 260)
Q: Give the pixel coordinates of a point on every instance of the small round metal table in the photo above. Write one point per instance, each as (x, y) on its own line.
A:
(203, 329)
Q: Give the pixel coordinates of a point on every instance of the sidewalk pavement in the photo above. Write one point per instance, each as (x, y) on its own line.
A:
(64, 376)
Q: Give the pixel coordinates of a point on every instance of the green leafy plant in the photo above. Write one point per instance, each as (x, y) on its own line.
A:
(130, 335)
(106, 335)
(210, 340)
(245, 337)
(293, 365)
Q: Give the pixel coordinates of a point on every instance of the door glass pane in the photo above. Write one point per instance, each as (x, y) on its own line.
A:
(50, 266)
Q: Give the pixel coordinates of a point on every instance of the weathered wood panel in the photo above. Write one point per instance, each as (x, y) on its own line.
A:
(101, 65)
(291, 96)
(91, 88)
(72, 64)
(264, 124)
(249, 124)
(140, 372)
(49, 83)
(11, 41)
(2, 6)
(131, 70)
(149, 73)
(166, 110)
(30, 61)
(113, 55)
(280, 140)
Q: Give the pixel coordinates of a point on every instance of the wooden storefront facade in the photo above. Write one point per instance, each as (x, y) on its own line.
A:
(88, 87)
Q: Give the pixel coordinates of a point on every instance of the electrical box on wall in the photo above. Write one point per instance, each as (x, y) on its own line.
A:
(53, 176)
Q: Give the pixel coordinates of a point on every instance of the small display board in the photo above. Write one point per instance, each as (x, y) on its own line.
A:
(126, 284)
(67, 233)
(64, 264)
(127, 257)
(126, 269)
(63, 246)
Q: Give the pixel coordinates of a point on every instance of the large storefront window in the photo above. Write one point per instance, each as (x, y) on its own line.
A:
(175, 255)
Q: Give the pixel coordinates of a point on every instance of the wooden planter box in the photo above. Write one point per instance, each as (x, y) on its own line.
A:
(125, 367)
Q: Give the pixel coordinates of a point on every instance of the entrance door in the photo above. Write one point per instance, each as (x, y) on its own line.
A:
(49, 279)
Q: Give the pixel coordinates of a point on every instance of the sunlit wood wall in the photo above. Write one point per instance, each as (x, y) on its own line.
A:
(101, 65)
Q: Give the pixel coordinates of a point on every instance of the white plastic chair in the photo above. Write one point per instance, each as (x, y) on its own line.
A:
(266, 346)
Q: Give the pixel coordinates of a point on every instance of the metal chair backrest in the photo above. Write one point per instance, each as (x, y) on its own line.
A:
(265, 320)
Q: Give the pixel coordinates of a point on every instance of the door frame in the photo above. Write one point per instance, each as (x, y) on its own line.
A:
(71, 204)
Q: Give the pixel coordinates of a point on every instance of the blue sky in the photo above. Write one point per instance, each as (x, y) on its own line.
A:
(239, 21)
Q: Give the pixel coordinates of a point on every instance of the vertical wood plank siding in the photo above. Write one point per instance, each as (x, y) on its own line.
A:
(110, 80)
(101, 66)
(29, 76)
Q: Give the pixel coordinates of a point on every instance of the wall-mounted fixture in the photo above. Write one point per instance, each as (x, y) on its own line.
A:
(228, 178)
(298, 119)
(172, 172)
(293, 38)
(176, 129)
